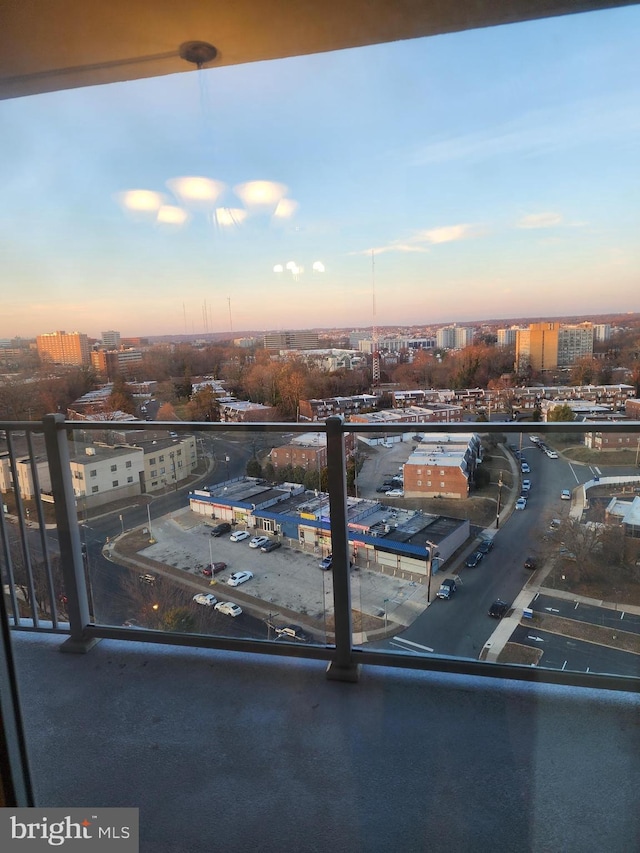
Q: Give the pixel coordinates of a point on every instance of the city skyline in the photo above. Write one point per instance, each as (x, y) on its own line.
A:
(480, 174)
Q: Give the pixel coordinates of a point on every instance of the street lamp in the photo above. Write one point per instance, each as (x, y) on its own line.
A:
(385, 613)
(500, 484)
(432, 555)
(151, 539)
(227, 460)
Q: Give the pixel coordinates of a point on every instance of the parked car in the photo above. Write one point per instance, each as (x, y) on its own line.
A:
(525, 468)
(229, 608)
(565, 495)
(239, 577)
(206, 598)
(259, 541)
(534, 439)
(485, 546)
(531, 563)
(219, 529)
(239, 535)
(293, 632)
(214, 569)
(552, 454)
(148, 577)
(326, 563)
(271, 545)
(473, 559)
(526, 485)
(498, 609)
(395, 493)
(447, 588)
(521, 503)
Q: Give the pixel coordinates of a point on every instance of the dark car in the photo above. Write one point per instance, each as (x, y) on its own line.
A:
(270, 546)
(530, 563)
(148, 577)
(292, 632)
(485, 546)
(498, 609)
(473, 559)
(447, 588)
(219, 529)
(383, 489)
(214, 569)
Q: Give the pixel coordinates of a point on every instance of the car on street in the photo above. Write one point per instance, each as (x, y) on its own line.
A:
(525, 468)
(382, 489)
(219, 529)
(269, 546)
(239, 577)
(552, 454)
(239, 535)
(565, 495)
(229, 608)
(214, 569)
(292, 632)
(148, 577)
(473, 559)
(206, 598)
(447, 588)
(394, 493)
(530, 563)
(485, 546)
(521, 503)
(534, 439)
(326, 563)
(259, 541)
(498, 608)
(526, 485)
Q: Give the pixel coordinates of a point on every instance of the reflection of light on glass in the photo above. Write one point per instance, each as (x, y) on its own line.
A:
(140, 204)
(230, 215)
(292, 266)
(286, 208)
(318, 266)
(197, 193)
(169, 214)
(260, 194)
(278, 268)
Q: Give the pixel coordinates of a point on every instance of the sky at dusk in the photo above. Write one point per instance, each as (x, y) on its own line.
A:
(492, 173)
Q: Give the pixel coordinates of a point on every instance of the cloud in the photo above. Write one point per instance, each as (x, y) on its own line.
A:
(420, 241)
(540, 220)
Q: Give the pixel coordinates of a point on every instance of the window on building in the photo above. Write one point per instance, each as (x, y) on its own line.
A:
(93, 472)
(162, 470)
(179, 464)
(114, 467)
(179, 452)
(161, 459)
(442, 485)
(152, 462)
(154, 473)
(419, 482)
(114, 483)
(128, 465)
(428, 482)
(129, 479)
(154, 483)
(94, 489)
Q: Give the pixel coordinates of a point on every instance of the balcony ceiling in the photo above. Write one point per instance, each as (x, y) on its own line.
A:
(46, 45)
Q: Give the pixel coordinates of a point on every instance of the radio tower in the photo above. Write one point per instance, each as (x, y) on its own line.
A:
(375, 373)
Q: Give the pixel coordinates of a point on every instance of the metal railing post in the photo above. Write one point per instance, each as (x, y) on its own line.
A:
(342, 667)
(71, 561)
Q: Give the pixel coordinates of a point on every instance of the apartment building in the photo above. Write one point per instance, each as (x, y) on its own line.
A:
(612, 440)
(454, 337)
(111, 340)
(243, 411)
(291, 340)
(64, 347)
(549, 346)
(167, 462)
(102, 474)
(319, 410)
(442, 466)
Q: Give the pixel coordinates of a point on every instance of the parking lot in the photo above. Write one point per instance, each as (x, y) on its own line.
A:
(285, 578)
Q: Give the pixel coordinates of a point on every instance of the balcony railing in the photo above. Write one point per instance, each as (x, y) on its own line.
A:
(50, 568)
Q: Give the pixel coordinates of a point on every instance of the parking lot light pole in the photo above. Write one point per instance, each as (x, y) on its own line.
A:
(431, 556)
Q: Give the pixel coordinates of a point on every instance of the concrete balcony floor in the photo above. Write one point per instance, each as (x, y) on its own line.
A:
(232, 752)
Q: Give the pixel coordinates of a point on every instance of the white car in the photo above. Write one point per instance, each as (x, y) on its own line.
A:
(206, 598)
(534, 439)
(526, 485)
(239, 535)
(229, 608)
(521, 503)
(239, 577)
(394, 493)
(552, 454)
(525, 468)
(565, 495)
(259, 541)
